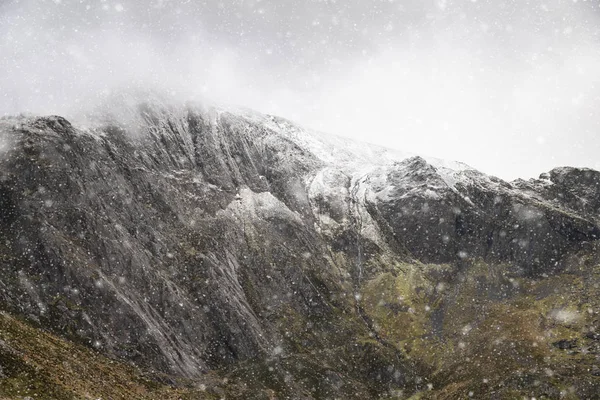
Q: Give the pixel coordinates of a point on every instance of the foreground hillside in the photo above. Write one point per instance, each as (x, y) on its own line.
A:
(231, 254)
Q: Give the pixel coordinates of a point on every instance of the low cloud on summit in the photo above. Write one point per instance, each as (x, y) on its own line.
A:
(509, 87)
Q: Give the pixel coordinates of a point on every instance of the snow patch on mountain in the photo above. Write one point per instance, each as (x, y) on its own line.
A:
(262, 206)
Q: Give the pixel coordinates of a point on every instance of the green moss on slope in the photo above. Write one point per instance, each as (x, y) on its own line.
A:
(489, 332)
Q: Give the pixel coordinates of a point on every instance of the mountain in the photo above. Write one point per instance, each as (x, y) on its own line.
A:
(220, 252)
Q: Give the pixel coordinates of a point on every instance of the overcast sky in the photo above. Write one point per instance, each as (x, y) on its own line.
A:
(509, 87)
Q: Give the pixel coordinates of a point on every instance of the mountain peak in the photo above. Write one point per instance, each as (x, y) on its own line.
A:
(193, 239)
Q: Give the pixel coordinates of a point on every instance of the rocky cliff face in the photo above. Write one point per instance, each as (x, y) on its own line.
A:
(189, 239)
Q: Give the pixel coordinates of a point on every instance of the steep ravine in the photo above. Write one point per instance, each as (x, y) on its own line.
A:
(204, 244)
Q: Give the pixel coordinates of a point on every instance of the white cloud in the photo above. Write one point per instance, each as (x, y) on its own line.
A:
(479, 82)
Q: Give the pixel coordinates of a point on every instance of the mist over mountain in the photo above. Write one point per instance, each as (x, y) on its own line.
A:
(508, 87)
(205, 252)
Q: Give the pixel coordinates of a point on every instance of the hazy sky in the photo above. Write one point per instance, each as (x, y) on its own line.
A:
(509, 87)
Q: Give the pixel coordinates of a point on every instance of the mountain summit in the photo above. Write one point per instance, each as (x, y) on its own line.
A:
(233, 254)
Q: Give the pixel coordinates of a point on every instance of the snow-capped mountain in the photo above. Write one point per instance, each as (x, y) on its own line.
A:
(189, 239)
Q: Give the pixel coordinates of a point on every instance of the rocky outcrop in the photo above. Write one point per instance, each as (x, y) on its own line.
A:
(188, 239)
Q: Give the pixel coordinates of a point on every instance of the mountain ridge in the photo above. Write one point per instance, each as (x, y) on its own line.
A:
(206, 239)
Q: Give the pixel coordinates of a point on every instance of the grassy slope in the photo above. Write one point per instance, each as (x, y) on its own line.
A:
(502, 336)
(39, 365)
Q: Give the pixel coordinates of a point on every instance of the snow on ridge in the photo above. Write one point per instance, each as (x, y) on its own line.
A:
(339, 150)
(352, 155)
(356, 158)
(368, 166)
